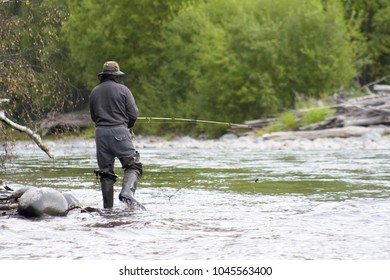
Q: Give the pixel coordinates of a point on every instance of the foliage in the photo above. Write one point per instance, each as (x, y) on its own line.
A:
(233, 60)
(272, 127)
(127, 31)
(317, 115)
(374, 24)
(29, 78)
(289, 120)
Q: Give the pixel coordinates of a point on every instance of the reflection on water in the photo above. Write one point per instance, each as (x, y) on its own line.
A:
(210, 204)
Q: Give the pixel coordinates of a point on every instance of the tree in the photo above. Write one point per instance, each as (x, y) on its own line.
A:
(233, 60)
(28, 32)
(29, 78)
(374, 20)
(127, 31)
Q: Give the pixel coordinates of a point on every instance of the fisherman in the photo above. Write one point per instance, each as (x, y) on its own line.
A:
(114, 112)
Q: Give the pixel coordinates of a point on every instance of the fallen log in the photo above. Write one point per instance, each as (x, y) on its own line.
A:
(69, 122)
(368, 121)
(382, 88)
(260, 122)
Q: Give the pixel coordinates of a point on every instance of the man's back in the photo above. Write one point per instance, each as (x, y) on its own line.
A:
(113, 104)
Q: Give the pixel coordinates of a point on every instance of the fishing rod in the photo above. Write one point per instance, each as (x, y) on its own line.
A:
(196, 121)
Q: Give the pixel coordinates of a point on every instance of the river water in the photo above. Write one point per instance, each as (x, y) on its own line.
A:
(210, 200)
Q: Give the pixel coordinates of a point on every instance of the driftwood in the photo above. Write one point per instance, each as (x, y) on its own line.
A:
(382, 88)
(7, 201)
(59, 123)
(34, 136)
(353, 117)
(261, 122)
(372, 110)
(6, 207)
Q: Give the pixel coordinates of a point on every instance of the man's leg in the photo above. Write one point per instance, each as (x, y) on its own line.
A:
(107, 181)
(106, 161)
(132, 174)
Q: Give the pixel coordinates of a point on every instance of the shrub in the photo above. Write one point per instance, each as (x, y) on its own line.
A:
(317, 115)
(289, 120)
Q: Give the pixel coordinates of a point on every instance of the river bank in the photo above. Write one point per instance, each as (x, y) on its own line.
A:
(371, 140)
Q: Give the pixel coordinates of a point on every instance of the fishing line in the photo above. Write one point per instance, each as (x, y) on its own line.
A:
(195, 121)
(169, 196)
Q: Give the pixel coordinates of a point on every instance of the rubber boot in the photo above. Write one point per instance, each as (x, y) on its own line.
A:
(107, 185)
(130, 182)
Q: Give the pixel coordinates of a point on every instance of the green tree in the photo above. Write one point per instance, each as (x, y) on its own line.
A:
(127, 31)
(233, 60)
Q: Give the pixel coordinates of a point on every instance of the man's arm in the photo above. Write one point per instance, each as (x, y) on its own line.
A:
(131, 109)
(92, 111)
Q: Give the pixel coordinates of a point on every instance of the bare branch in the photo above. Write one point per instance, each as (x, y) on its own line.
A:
(37, 139)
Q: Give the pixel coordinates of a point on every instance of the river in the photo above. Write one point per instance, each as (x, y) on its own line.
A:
(211, 200)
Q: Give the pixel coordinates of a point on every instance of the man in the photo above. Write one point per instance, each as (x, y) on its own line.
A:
(114, 111)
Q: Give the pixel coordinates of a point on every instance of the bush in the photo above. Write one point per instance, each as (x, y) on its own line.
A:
(317, 115)
(289, 120)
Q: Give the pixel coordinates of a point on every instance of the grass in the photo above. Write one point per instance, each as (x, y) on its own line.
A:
(291, 120)
(317, 115)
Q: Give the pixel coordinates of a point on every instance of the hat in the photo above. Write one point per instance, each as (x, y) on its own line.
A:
(111, 68)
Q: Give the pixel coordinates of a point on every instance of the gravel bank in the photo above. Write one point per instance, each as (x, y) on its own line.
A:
(371, 140)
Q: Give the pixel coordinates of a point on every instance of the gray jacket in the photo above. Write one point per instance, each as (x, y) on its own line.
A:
(113, 104)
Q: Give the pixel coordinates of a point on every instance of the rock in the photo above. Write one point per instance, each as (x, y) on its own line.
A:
(228, 136)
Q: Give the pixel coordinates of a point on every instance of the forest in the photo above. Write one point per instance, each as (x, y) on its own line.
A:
(224, 60)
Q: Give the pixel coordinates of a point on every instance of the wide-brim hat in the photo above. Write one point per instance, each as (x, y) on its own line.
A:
(111, 68)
